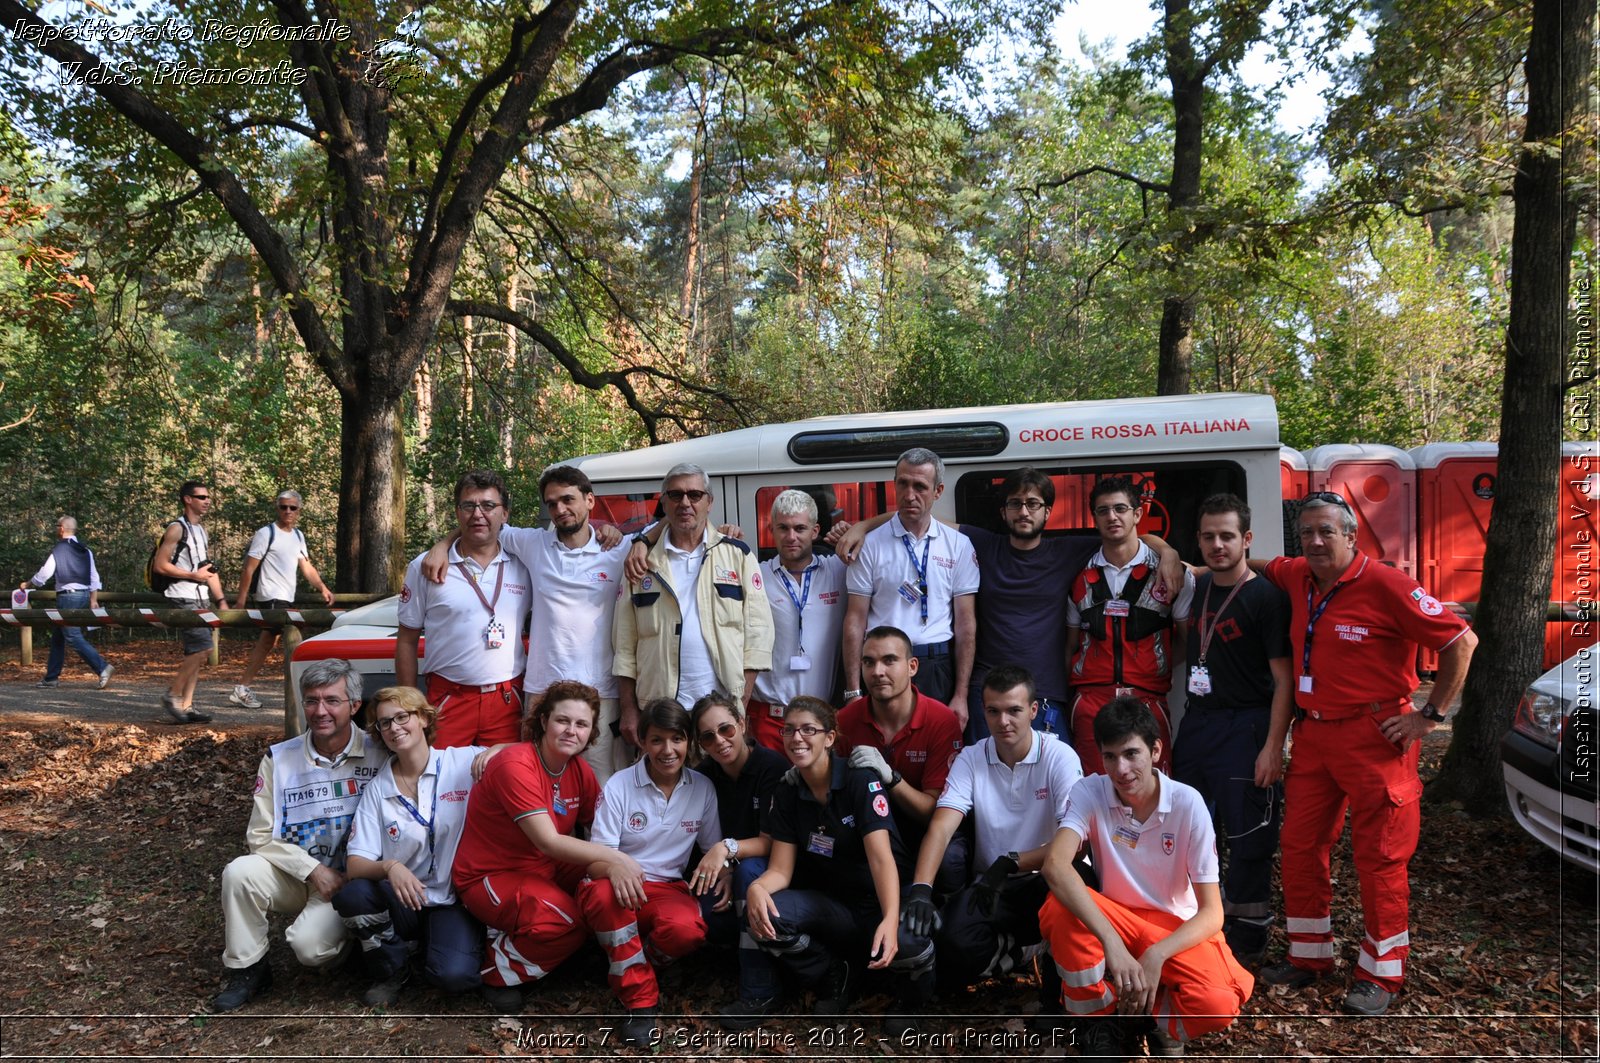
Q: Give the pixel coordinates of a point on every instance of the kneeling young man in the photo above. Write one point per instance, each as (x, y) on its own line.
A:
(1149, 942)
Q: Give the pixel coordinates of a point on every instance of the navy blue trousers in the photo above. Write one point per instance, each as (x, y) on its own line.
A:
(449, 938)
(758, 975)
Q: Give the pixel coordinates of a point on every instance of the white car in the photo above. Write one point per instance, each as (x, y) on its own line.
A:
(365, 637)
(1548, 760)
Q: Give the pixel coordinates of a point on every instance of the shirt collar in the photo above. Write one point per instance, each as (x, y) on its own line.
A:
(1144, 556)
(356, 747)
(1163, 798)
(1035, 751)
(590, 547)
(899, 529)
(456, 556)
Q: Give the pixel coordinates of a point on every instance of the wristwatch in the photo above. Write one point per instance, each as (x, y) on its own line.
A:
(732, 845)
(851, 695)
(1430, 711)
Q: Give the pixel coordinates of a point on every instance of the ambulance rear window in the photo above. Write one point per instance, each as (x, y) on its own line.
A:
(860, 446)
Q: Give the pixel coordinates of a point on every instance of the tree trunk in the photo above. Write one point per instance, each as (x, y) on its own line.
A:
(1520, 554)
(423, 388)
(508, 412)
(372, 511)
(1176, 345)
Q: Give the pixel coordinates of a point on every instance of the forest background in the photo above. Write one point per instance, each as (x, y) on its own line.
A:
(859, 207)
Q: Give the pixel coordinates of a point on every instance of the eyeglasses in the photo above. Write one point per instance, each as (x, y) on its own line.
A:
(724, 731)
(1017, 505)
(287, 506)
(477, 507)
(201, 498)
(807, 730)
(332, 703)
(1121, 509)
(677, 495)
(399, 719)
(1327, 496)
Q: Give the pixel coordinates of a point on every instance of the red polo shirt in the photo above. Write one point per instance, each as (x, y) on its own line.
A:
(922, 751)
(514, 785)
(1364, 643)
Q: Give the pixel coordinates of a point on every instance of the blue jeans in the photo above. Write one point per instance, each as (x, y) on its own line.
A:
(62, 637)
(758, 975)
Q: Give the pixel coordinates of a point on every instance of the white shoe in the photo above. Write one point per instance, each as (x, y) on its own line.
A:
(105, 675)
(241, 696)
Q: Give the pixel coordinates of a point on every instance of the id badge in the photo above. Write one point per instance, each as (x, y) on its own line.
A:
(1305, 684)
(909, 592)
(1126, 836)
(820, 844)
(1117, 607)
(775, 711)
(1199, 680)
(494, 636)
(799, 663)
(559, 807)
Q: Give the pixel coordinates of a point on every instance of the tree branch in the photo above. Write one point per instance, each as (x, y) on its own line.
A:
(1145, 185)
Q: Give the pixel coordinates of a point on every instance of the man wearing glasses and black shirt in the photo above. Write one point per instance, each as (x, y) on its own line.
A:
(474, 621)
(698, 621)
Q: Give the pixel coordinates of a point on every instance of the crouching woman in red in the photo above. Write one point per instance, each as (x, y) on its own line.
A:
(521, 857)
(1149, 943)
(642, 912)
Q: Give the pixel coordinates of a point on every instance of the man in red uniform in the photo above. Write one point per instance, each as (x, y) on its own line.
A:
(1120, 622)
(1356, 626)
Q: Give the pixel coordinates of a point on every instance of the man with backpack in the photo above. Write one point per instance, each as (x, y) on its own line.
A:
(276, 555)
(182, 569)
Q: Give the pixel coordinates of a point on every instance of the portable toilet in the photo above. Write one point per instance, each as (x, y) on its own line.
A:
(1380, 484)
(1294, 480)
(1455, 492)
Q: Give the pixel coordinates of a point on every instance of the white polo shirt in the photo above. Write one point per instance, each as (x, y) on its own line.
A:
(279, 552)
(574, 597)
(821, 589)
(886, 573)
(389, 826)
(697, 675)
(453, 619)
(1151, 864)
(1015, 809)
(636, 818)
(1117, 578)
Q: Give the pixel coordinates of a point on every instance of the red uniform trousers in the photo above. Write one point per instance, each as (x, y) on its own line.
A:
(764, 727)
(1338, 763)
(668, 927)
(533, 922)
(1087, 702)
(1202, 988)
(475, 716)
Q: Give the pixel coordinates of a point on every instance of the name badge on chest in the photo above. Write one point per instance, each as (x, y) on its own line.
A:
(494, 636)
(799, 662)
(1199, 680)
(1126, 836)
(910, 593)
(1117, 607)
(820, 844)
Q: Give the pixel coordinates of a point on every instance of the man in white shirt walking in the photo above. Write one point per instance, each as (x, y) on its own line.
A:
(277, 554)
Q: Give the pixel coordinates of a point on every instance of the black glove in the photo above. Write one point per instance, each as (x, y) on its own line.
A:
(986, 893)
(918, 913)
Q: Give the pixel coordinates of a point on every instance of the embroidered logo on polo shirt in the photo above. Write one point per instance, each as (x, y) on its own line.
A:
(1430, 605)
(599, 577)
(917, 756)
(392, 829)
(755, 580)
(725, 575)
(1168, 842)
(690, 826)
(874, 786)
(1042, 794)
(260, 784)
(637, 822)
(405, 593)
(828, 597)
(1352, 632)
(945, 562)
(880, 805)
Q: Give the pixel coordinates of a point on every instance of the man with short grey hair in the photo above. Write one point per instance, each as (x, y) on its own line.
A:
(71, 565)
(920, 576)
(698, 620)
(277, 553)
(306, 792)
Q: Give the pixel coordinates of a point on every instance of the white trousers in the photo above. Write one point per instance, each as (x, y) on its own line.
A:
(252, 888)
(609, 754)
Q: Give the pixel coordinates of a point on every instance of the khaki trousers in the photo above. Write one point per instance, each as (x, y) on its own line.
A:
(252, 888)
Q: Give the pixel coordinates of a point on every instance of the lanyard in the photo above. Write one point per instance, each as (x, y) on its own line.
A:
(433, 815)
(921, 569)
(1205, 606)
(499, 578)
(799, 602)
(1312, 616)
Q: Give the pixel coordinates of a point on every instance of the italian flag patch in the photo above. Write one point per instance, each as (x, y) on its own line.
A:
(345, 788)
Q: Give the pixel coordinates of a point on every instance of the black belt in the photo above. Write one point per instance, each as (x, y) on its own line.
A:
(932, 649)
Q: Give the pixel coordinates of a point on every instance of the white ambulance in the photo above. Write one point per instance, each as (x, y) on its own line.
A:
(1177, 450)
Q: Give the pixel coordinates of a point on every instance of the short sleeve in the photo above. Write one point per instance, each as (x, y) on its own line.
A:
(781, 815)
(1203, 863)
(300, 540)
(1183, 604)
(858, 577)
(258, 544)
(958, 788)
(608, 816)
(1274, 623)
(366, 832)
(520, 543)
(868, 798)
(944, 745)
(1278, 572)
(1080, 808)
(1424, 618)
(413, 596)
(966, 579)
(1066, 771)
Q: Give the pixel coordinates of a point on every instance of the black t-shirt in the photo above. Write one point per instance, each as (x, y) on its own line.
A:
(744, 803)
(1022, 604)
(830, 854)
(1253, 630)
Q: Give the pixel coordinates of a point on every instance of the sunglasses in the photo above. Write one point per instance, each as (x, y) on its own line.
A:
(287, 506)
(724, 731)
(201, 498)
(677, 495)
(1327, 496)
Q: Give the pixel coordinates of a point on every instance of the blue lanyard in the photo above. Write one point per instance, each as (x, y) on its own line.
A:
(1312, 616)
(433, 816)
(922, 570)
(800, 602)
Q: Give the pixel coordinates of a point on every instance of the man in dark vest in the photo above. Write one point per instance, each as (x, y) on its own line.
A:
(71, 565)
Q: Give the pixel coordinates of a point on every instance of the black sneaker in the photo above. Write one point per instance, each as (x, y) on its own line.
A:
(642, 1027)
(384, 994)
(899, 1029)
(244, 985)
(506, 999)
(1286, 973)
(834, 994)
(747, 1014)
(1103, 1038)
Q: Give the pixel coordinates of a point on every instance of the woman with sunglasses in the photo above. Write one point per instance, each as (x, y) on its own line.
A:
(745, 776)
(829, 901)
(402, 844)
(521, 860)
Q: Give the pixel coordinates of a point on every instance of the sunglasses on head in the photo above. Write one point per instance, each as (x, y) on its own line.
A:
(1327, 496)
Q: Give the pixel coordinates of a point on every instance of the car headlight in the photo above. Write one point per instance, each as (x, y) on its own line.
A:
(1542, 718)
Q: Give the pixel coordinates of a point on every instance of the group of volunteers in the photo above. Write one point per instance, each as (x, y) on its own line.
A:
(667, 763)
